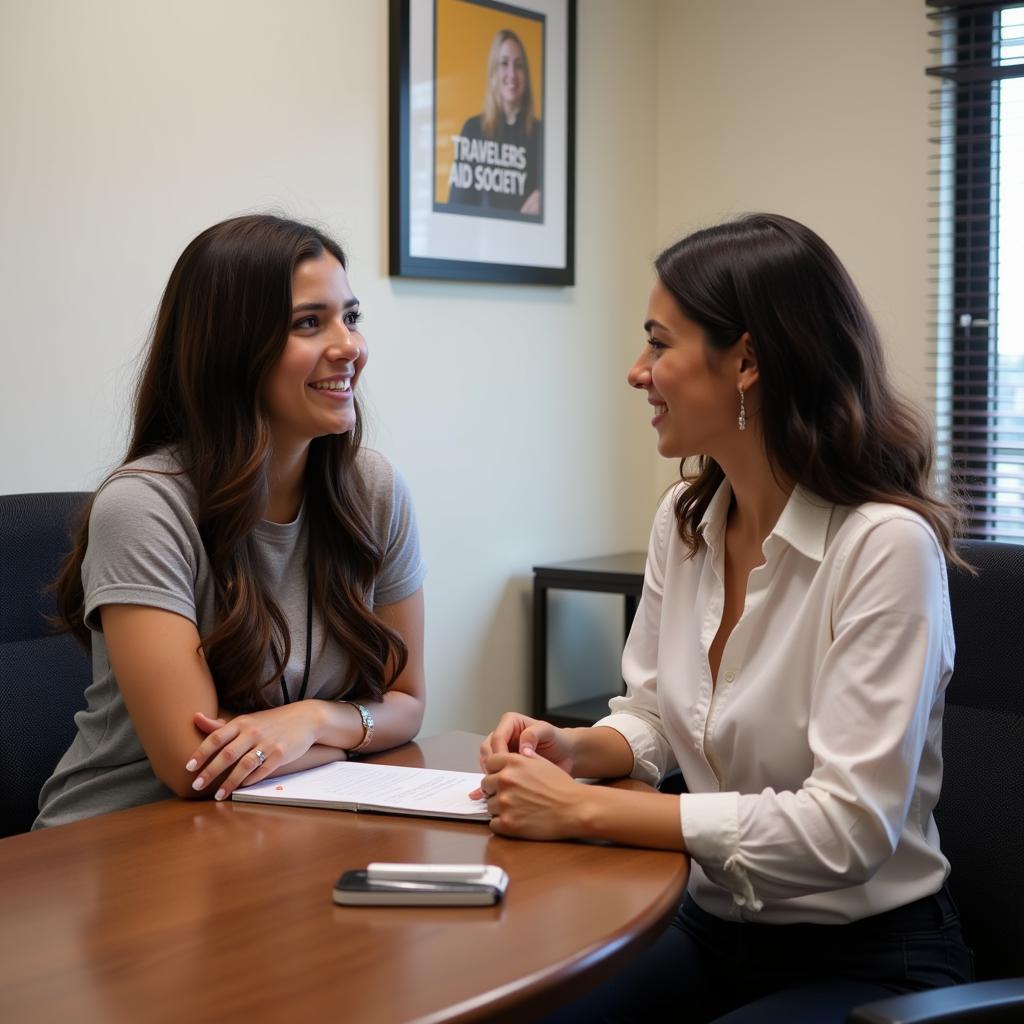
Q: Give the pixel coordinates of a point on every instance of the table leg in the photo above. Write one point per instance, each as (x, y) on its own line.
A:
(630, 601)
(540, 649)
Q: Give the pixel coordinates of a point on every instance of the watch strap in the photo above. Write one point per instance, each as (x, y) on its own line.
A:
(367, 720)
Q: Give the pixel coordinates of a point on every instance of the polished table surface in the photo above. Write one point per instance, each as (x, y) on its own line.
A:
(195, 911)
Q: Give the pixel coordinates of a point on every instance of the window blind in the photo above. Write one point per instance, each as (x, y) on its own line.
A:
(976, 172)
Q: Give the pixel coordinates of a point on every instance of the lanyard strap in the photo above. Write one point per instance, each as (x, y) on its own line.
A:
(309, 648)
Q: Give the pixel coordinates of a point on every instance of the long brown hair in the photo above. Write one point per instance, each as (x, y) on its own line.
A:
(221, 327)
(831, 420)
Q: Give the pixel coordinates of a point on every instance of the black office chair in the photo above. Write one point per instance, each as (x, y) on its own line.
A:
(43, 675)
(981, 810)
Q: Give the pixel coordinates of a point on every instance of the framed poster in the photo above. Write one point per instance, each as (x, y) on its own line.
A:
(482, 160)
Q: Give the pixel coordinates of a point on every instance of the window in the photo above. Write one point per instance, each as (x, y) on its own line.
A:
(978, 257)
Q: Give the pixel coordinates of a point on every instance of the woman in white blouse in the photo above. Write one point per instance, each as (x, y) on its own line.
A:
(789, 655)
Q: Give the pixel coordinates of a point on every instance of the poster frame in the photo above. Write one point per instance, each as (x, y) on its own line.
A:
(407, 204)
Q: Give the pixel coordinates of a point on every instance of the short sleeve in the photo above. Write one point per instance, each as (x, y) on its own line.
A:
(403, 570)
(140, 550)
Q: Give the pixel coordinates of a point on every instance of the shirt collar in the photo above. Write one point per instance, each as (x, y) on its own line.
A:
(712, 524)
(803, 524)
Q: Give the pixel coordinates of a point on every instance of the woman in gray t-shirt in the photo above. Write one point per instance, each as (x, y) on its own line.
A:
(250, 577)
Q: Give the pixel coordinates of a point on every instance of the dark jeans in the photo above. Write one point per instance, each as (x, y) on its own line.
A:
(705, 969)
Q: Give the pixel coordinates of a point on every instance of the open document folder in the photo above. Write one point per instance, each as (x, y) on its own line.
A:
(385, 788)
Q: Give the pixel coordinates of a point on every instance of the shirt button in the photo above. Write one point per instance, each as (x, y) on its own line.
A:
(730, 676)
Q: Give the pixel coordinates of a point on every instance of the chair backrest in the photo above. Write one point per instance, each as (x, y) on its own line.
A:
(43, 676)
(981, 809)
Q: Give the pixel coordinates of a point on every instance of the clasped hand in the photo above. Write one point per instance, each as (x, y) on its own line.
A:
(528, 783)
(280, 734)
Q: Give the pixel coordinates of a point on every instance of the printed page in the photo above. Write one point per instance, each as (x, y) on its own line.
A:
(356, 784)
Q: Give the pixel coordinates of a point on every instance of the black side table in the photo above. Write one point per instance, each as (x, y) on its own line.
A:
(608, 574)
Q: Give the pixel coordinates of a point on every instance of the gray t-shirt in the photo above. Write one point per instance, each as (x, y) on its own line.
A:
(144, 549)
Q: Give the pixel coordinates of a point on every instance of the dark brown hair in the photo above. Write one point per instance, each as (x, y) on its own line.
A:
(830, 418)
(221, 327)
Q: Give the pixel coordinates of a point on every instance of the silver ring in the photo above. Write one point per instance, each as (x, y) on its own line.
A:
(260, 756)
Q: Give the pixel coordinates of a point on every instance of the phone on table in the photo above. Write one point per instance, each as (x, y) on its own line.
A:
(436, 885)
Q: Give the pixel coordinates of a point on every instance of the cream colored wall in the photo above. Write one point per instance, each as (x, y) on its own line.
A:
(812, 108)
(130, 125)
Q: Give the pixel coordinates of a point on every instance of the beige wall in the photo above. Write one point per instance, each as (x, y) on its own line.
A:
(812, 108)
(129, 125)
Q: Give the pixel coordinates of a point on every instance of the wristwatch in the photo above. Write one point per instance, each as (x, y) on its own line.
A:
(367, 720)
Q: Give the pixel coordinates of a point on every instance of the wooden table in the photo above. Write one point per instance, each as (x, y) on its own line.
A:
(194, 911)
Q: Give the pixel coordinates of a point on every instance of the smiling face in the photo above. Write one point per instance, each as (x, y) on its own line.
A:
(511, 75)
(309, 392)
(692, 387)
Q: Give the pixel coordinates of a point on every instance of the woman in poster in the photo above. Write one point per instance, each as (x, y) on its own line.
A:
(498, 155)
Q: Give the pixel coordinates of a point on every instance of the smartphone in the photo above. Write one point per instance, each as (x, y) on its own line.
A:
(358, 888)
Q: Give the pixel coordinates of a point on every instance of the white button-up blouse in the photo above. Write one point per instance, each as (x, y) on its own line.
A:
(814, 764)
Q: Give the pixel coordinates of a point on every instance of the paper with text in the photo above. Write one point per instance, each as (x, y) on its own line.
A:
(355, 785)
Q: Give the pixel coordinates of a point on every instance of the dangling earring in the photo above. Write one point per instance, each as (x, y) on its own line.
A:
(743, 411)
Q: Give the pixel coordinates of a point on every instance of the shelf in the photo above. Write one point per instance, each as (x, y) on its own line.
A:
(610, 574)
